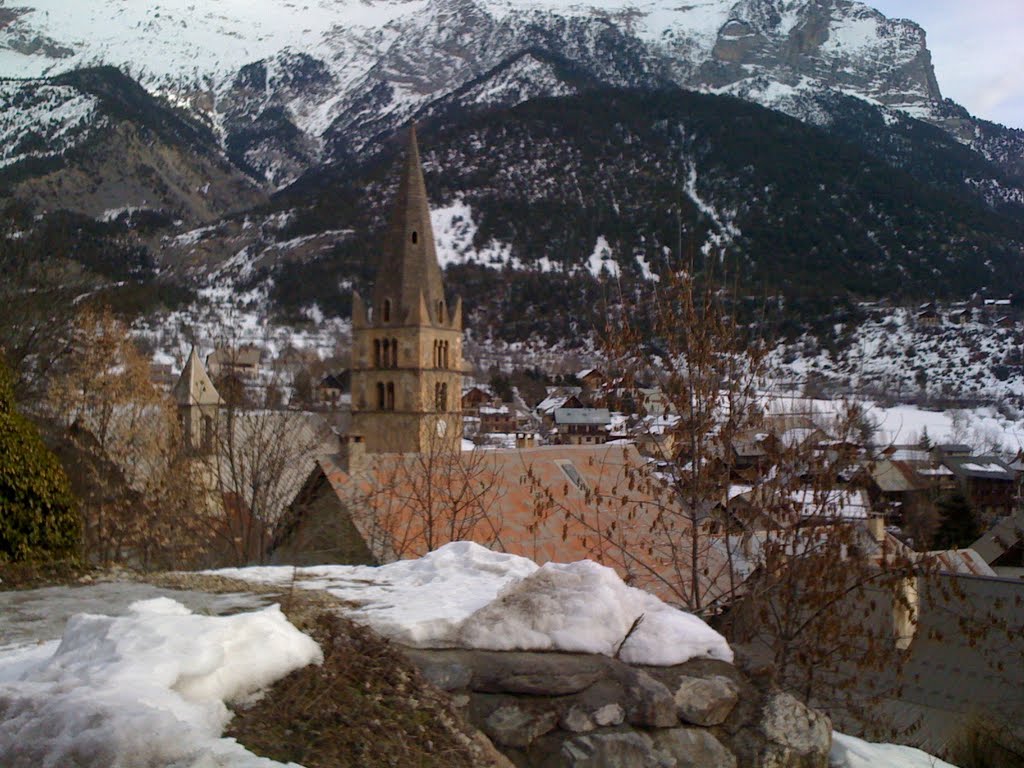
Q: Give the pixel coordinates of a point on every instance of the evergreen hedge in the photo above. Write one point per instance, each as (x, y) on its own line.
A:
(38, 514)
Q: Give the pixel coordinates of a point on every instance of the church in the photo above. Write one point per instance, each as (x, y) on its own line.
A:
(401, 485)
(407, 345)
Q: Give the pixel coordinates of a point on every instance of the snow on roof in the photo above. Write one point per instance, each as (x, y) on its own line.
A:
(152, 686)
(837, 502)
(450, 598)
(985, 467)
(582, 416)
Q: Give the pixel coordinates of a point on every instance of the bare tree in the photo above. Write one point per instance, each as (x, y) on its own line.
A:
(746, 516)
(122, 446)
(415, 503)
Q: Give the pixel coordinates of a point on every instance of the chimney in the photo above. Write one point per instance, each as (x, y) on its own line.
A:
(352, 457)
(526, 440)
(876, 527)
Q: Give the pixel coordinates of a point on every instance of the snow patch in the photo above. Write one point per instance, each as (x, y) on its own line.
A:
(148, 688)
(464, 595)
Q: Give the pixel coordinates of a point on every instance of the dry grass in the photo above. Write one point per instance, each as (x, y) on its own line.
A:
(365, 706)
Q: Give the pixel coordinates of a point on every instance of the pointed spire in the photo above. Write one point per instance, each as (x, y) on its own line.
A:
(408, 265)
(194, 386)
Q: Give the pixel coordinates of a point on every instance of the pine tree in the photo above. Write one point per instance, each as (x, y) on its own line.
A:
(959, 526)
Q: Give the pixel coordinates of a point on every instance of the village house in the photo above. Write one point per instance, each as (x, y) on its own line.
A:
(243, 362)
(582, 426)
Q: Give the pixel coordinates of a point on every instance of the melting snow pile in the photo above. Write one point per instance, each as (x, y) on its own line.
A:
(464, 595)
(148, 688)
(851, 752)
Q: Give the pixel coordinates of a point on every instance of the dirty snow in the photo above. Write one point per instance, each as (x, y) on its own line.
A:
(464, 595)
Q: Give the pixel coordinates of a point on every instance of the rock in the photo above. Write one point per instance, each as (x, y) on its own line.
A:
(543, 674)
(705, 701)
(445, 670)
(648, 702)
(612, 750)
(551, 674)
(577, 720)
(609, 714)
(511, 726)
(797, 736)
(693, 748)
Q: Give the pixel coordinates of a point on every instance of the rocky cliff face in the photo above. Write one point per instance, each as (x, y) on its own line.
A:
(288, 90)
(94, 142)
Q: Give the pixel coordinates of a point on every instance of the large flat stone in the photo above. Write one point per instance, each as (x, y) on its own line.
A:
(536, 674)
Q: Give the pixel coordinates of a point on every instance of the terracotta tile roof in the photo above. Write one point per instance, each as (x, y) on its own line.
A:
(550, 503)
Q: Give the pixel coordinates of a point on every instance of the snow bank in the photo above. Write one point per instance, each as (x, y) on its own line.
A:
(586, 607)
(464, 595)
(144, 689)
(851, 752)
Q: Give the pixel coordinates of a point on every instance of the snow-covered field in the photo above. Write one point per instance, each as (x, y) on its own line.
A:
(151, 687)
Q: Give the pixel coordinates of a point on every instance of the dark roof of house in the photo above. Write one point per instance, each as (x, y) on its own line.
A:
(965, 659)
(1000, 538)
(981, 467)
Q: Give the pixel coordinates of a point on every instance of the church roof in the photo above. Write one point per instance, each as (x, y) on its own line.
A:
(194, 386)
(408, 265)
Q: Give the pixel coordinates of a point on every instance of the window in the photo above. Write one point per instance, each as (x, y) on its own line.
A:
(380, 396)
(570, 471)
(390, 396)
(394, 353)
(415, 237)
(376, 353)
(440, 397)
(386, 311)
(444, 354)
(440, 311)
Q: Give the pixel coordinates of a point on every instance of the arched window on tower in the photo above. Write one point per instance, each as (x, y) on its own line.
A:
(444, 354)
(444, 397)
(390, 396)
(394, 353)
(415, 237)
(381, 402)
(376, 353)
(440, 311)
(385, 311)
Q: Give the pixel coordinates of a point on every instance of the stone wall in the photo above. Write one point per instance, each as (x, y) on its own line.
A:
(564, 709)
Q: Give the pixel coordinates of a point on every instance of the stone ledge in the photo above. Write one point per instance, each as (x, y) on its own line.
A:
(572, 709)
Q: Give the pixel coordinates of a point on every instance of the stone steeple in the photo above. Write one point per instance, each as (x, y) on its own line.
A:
(407, 347)
(408, 274)
(198, 403)
(194, 386)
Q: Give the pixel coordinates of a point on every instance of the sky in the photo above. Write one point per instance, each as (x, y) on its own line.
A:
(978, 51)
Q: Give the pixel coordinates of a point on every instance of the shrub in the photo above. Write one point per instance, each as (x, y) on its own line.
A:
(38, 515)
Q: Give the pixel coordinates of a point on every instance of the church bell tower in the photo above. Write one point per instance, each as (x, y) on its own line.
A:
(407, 345)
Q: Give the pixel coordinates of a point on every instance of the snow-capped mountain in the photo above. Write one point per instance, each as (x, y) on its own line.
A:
(288, 84)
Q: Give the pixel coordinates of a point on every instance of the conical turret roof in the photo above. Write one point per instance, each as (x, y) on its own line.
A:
(408, 265)
(194, 386)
